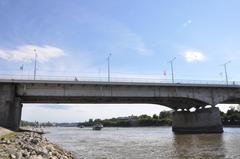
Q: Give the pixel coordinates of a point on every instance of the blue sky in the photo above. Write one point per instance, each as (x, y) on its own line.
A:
(74, 37)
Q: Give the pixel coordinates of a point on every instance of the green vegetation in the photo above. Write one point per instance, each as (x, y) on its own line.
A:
(163, 119)
(46, 124)
(232, 117)
(8, 136)
(35, 124)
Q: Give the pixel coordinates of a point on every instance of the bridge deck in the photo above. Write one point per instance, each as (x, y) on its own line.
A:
(22, 81)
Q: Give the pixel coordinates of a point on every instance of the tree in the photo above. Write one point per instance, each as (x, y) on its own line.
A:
(238, 107)
(155, 116)
(165, 114)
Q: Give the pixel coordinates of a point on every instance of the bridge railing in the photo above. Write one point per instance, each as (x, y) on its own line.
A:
(113, 79)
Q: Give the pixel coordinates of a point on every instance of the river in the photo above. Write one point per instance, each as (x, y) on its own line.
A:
(146, 143)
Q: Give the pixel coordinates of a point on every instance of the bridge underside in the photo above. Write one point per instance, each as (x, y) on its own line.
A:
(173, 103)
(231, 101)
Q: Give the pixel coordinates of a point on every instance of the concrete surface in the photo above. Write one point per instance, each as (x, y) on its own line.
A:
(202, 121)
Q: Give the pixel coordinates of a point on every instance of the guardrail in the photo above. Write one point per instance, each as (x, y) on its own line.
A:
(113, 79)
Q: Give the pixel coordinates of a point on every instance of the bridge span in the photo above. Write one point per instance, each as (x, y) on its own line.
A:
(176, 96)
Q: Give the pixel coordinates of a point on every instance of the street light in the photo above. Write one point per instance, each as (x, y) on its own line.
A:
(225, 69)
(171, 62)
(35, 64)
(108, 60)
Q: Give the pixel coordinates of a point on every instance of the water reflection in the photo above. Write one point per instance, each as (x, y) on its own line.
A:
(198, 146)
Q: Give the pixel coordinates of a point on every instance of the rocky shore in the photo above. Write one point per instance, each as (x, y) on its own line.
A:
(30, 145)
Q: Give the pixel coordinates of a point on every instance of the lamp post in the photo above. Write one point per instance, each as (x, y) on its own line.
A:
(108, 60)
(171, 62)
(35, 64)
(225, 69)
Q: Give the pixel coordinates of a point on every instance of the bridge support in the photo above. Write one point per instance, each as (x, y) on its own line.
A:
(10, 107)
(207, 120)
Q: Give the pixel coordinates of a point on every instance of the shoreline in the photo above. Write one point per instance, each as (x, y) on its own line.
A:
(30, 144)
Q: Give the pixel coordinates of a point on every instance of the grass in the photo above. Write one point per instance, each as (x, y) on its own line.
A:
(8, 136)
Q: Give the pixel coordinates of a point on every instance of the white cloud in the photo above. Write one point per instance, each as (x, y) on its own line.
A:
(187, 23)
(135, 42)
(26, 53)
(192, 56)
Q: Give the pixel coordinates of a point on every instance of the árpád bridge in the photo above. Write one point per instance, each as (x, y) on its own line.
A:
(179, 96)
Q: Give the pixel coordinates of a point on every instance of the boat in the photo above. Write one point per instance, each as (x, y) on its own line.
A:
(81, 126)
(97, 127)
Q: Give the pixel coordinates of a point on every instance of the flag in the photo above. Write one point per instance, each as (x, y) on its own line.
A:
(21, 67)
(164, 73)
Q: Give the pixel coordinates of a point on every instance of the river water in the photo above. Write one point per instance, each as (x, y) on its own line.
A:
(146, 143)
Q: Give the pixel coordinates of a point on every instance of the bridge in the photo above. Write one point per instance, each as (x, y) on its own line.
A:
(179, 96)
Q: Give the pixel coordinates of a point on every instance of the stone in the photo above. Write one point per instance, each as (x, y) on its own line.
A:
(19, 155)
(50, 148)
(25, 153)
(35, 141)
(12, 156)
(30, 145)
(33, 152)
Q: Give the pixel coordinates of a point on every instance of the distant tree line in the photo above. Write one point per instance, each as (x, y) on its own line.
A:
(230, 118)
(163, 119)
(47, 124)
(36, 124)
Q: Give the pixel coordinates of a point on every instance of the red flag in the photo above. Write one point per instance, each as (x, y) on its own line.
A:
(164, 73)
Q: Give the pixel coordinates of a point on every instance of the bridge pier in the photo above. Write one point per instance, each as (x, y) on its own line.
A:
(207, 120)
(10, 107)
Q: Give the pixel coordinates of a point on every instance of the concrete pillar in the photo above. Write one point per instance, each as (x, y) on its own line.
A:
(10, 107)
(207, 120)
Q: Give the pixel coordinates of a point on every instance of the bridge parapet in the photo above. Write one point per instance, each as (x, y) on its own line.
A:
(94, 78)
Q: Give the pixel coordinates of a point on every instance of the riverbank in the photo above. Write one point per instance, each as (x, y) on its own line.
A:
(31, 145)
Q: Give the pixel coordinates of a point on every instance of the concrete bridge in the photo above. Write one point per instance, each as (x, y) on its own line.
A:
(179, 97)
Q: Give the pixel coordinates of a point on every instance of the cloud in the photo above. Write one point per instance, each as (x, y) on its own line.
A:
(134, 42)
(187, 23)
(26, 53)
(192, 56)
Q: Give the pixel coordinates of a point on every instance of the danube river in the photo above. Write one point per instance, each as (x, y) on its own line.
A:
(145, 143)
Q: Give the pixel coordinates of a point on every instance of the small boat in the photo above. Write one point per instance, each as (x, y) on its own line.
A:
(81, 126)
(97, 127)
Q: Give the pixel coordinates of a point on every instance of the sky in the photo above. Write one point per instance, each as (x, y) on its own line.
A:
(74, 38)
